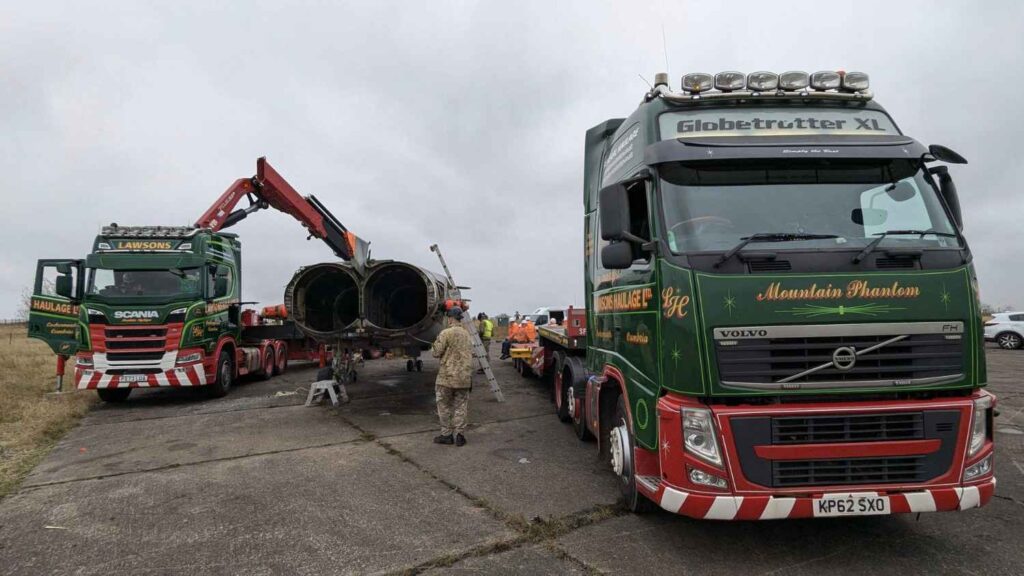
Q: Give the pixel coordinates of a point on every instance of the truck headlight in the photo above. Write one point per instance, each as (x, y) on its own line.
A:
(699, 435)
(979, 424)
(84, 361)
(979, 468)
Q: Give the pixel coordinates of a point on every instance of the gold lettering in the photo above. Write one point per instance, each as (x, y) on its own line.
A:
(674, 305)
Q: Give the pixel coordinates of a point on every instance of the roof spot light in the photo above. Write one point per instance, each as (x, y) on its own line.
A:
(825, 80)
(762, 81)
(697, 82)
(729, 81)
(793, 80)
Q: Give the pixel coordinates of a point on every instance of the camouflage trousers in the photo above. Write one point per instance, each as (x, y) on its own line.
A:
(452, 409)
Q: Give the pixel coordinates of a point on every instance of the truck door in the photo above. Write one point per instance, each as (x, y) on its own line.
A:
(53, 310)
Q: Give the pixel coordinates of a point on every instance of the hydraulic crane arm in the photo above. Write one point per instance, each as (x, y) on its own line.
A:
(269, 189)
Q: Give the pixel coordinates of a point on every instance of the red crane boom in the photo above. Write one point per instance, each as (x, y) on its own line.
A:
(269, 189)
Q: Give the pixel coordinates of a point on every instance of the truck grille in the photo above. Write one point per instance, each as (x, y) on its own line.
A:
(902, 469)
(794, 357)
(751, 432)
(847, 428)
(141, 343)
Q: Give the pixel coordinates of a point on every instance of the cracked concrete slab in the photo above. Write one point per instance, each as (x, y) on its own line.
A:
(536, 560)
(350, 509)
(534, 467)
(133, 446)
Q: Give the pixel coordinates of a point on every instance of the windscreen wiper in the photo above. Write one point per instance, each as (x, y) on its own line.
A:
(770, 237)
(881, 236)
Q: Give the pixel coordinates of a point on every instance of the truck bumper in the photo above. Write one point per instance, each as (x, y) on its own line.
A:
(718, 507)
(820, 459)
(188, 375)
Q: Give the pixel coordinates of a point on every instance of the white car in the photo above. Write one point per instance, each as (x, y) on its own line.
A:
(1006, 329)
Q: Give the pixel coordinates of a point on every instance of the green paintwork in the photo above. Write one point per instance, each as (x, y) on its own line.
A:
(666, 345)
(206, 321)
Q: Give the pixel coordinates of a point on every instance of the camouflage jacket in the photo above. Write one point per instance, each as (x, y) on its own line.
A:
(455, 352)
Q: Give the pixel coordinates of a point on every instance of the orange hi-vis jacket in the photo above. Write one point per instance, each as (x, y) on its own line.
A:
(528, 332)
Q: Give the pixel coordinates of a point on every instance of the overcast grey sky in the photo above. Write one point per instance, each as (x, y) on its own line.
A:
(452, 122)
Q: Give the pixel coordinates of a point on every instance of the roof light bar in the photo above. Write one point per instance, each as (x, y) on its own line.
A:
(762, 81)
(697, 82)
(794, 80)
(825, 80)
(855, 81)
(729, 81)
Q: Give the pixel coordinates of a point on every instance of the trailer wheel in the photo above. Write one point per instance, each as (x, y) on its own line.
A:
(113, 395)
(225, 376)
(621, 447)
(409, 365)
(419, 365)
(268, 364)
(282, 360)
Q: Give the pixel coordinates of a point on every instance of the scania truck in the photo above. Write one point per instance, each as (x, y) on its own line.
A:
(156, 306)
(782, 313)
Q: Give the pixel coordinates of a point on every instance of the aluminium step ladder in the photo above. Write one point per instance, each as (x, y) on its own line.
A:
(474, 337)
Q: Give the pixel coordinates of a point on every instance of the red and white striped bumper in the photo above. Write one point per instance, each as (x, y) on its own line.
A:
(190, 375)
(712, 507)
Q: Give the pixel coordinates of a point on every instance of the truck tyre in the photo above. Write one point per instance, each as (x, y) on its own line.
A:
(282, 360)
(225, 376)
(113, 395)
(409, 365)
(1009, 340)
(577, 400)
(268, 364)
(557, 362)
(621, 447)
(560, 386)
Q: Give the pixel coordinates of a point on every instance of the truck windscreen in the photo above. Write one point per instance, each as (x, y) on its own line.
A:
(176, 282)
(712, 206)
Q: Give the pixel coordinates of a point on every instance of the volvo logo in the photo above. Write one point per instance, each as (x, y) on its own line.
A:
(741, 333)
(844, 358)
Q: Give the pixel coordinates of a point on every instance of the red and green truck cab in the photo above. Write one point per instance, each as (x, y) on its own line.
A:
(782, 313)
(155, 306)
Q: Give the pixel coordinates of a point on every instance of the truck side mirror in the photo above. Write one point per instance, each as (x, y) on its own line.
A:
(617, 256)
(614, 209)
(948, 190)
(946, 155)
(63, 284)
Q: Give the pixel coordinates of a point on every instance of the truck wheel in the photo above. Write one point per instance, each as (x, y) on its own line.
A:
(557, 360)
(419, 365)
(577, 400)
(113, 395)
(225, 376)
(1009, 340)
(563, 381)
(621, 447)
(282, 360)
(409, 365)
(268, 364)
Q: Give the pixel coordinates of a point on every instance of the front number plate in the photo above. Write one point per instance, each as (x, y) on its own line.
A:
(866, 504)
(132, 378)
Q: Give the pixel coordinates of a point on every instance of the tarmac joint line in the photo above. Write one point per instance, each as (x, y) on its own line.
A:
(536, 531)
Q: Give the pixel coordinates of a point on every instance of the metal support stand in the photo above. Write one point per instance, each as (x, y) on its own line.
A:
(474, 337)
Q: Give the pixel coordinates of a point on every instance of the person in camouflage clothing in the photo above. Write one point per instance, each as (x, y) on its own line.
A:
(454, 379)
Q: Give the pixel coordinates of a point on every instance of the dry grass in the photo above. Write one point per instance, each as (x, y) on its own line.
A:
(31, 422)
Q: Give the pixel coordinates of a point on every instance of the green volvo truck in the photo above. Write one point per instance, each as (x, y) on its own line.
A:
(782, 312)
